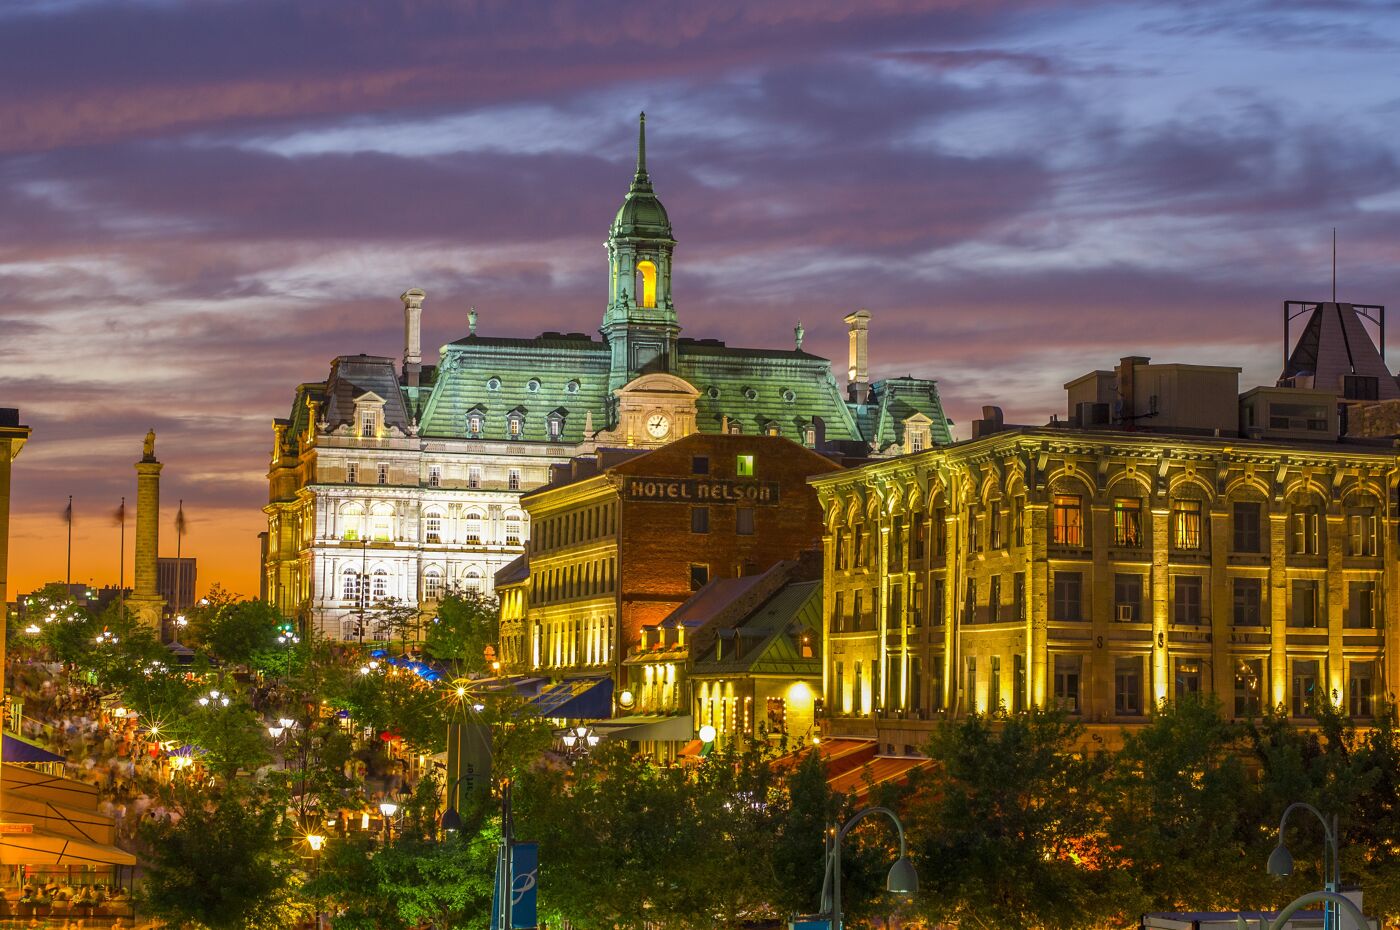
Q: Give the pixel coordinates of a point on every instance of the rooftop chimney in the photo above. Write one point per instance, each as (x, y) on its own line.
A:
(1127, 396)
(412, 334)
(858, 367)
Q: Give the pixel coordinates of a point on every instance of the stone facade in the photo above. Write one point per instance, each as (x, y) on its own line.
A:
(389, 482)
(1105, 571)
(624, 539)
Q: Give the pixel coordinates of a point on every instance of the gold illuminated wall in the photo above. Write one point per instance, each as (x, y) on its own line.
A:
(1106, 572)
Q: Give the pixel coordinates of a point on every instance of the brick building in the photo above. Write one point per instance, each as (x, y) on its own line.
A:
(624, 537)
(1134, 553)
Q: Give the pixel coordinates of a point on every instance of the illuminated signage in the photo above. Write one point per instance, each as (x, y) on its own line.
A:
(700, 491)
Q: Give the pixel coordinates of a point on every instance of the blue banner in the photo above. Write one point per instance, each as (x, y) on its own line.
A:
(525, 880)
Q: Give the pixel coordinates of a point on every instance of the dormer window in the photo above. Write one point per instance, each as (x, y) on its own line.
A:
(771, 428)
(809, 435)
(369, 423)
(475, 423)
(533, 385)
(369, 415)
(556, 426)
(515, 424)
(735, 427)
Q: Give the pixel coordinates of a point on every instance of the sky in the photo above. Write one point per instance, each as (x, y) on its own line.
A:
(203, 202)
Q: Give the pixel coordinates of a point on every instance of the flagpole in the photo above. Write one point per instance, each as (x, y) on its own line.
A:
(68, 577)
(121, 561)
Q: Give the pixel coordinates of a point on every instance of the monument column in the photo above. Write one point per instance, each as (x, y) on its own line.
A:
(12, 437)
(146, 602)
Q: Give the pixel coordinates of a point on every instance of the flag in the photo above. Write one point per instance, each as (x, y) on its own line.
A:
(180, 520)
(68, 511)
(119, 516)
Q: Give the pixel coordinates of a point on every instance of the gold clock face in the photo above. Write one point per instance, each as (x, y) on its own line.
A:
(658, 425)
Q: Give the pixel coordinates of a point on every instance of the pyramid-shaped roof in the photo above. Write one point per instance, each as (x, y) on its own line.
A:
(1335, 344)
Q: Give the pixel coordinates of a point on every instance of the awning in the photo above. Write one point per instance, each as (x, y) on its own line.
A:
(21, 750)
(44, 848)
(647, 727)
(576, 699)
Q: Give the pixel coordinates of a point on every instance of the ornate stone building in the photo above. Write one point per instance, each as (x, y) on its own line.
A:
(391, 481)
(1106, 568)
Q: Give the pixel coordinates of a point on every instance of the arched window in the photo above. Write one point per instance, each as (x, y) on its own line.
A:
(380, 580)
(350, 585)
(432, 585)
(646, 283)
(472, 523)
(512, 531)
(432, 528)
(472, 581)
(381, 523)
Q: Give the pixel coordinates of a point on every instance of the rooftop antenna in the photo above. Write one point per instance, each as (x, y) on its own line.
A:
(1334, 264)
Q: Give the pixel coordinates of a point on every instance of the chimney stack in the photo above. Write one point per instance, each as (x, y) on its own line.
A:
(412, 334)
(858, 366)
(1127, 397)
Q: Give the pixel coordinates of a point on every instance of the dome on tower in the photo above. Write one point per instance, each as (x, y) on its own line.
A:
(642, 214)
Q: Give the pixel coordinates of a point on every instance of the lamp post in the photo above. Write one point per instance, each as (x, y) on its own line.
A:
(1281, 860)
(388, 809)
(316, 841)
(901, 880)
(578, 740)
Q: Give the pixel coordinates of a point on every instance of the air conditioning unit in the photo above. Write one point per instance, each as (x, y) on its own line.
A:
(1125, 613)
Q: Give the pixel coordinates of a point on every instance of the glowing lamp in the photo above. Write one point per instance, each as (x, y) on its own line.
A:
(708, 734)
(315, 841)
(388, 808)
(286, 723)
(626, 699)
(569, 740)
(592, 739)
(276, 732)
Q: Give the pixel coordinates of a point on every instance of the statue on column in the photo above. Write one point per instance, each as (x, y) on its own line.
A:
(148, 450)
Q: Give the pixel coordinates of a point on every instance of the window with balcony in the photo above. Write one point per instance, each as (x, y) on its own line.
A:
(1067, 523)
(1127, 522)
(1186, 524)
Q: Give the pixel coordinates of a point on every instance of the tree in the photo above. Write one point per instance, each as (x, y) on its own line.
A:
(466, 623)
(392, 619)
(1184, 813)
(238, 632)
(1010, 834)
(231, 736)
(224, 865)
(393, 701)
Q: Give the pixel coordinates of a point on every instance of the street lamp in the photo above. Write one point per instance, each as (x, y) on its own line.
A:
(901, 880)
(1281, 860)
(578, 739)
(214, 698)
(388, 809)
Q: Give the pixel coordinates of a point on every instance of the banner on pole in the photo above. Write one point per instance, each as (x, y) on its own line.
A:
(525, 880)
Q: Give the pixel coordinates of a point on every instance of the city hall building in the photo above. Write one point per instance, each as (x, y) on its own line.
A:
(1171, 537)
(401, 481)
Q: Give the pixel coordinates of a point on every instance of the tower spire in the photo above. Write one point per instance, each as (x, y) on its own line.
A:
(640, 179)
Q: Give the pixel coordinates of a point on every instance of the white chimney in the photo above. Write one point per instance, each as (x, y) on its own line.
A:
(412, 334)
(858, 366)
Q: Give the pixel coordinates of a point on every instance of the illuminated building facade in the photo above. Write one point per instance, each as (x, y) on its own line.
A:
(622, 538)
(402, 481)
(1101, 567)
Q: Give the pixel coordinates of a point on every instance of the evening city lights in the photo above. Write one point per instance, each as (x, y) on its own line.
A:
(736, 465)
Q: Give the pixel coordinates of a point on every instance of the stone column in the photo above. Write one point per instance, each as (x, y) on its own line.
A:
(146, 602)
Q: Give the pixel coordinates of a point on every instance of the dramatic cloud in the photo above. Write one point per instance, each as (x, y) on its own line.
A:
(201, 203)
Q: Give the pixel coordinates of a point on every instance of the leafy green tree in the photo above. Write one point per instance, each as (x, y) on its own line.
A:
(809, 807)
(1184, 812)
(1010, 834)
(239, 632)
(393, 701)
(392, 619)
(466, 623)
(224, 865)
(231, 737)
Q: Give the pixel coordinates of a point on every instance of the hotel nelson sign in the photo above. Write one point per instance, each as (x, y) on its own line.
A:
(700, 491)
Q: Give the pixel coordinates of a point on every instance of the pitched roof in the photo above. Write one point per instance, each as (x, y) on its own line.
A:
(767, 640)
(893, 402)
(353, 376)
(1334, 343)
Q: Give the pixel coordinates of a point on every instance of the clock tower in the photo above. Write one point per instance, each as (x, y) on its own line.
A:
(640, 321)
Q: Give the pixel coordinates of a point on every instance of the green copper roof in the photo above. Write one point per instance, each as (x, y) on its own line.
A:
(756, 387)
(768, 640)
(641, 214)
(553, 376)
(893, 401)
